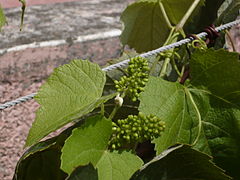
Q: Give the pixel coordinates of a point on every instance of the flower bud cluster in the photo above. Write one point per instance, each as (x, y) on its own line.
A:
(133, 84)
(135, 129)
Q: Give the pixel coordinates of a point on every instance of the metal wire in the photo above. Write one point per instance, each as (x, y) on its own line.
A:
(17, 101)
(125, 62)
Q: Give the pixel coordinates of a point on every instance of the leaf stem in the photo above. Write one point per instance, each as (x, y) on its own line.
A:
(116, 107)
(23, 11)
(173, 36)
(169, 36)
(182, 72)
(164, 66)
(153, 67)
(198, 115)
(175, 67)
(187, 15)
(165, 15)
(102, 109)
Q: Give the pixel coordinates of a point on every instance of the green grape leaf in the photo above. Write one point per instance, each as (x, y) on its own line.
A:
(42, 165)
(84, 173)
(147, 23)
(220, 131)
(203, 16)
(229, 11)
(177, 9)
(72, 91)
(186, 109)
(217, 72)
(144, 22)
(181, 162)
(2, 18)
(42, 161)
(118, 166)
(220, 124)
(206, 114)
(169, 101)
(88, 144)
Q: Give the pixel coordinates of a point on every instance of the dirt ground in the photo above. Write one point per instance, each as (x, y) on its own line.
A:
(23, 72)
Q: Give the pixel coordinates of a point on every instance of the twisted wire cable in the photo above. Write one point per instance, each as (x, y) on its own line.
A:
(125, 62)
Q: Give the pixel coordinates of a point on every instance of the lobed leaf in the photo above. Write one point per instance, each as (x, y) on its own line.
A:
(84, 173)
(218, 72)
(88, 144)
(229, 11)
(72, 91)
(168, 101)
(42, 160)
(181, 162)
(147, 23)
(203, 16)
(207, 116)
(118, 166)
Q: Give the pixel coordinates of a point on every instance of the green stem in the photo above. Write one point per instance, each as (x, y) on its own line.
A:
(187, 15)
(102, 109)
(154, 65)
(116, 107)
(175, 67)
(165, 15)
(169, 37)
(172, 38)
(164, 66)
(182, 72)
(198, 115)
(23, 11)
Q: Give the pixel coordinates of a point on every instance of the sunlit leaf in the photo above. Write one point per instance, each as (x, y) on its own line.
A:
(72, 91)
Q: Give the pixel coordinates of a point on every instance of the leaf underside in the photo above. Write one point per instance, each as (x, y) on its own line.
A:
(181, 162)
(145, 25)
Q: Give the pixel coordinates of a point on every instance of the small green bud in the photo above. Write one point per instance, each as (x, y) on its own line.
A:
(114, 128)
(113, 146)
(135, 135)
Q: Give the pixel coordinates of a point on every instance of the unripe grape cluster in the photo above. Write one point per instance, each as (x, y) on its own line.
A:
(134, 82)
(135, 129)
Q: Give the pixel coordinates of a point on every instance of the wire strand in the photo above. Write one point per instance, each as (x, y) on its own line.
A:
(125, 62)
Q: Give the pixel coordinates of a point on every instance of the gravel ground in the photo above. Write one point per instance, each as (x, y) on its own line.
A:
(61, 21)
(23, 72)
